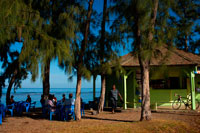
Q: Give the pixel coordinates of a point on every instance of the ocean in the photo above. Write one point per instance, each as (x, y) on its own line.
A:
(35, 93)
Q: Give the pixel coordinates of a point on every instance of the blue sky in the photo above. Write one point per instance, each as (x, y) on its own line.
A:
(58, 78)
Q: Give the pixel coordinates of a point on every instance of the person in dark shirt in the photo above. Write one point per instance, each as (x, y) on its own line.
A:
(42, 100)
(28, 100)
(114, 93)
(63, 99)
(11, 100)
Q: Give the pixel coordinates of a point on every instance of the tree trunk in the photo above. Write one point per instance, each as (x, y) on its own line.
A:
(87, 27)
(146, 111)
(10, 86)
(16, 71)
(186, 42)
(80, 62)
(46, 84)
(103, 90)
(102, 44)
(78, 94)
(145, 64)
(94, 86)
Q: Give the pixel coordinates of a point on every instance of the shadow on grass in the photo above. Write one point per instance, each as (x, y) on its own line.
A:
(37, 115)
(106, 119)
(177, 113)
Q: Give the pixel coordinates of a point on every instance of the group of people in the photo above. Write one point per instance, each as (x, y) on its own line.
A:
(11, 100)
(52, 101)
(69, 101)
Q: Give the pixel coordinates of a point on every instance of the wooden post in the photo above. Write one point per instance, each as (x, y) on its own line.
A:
(125, 95)
(192, 75)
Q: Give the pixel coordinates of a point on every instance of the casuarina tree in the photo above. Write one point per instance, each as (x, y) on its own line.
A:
(14, 22)
(137, 20)
(79, 49)
(185, 17)
(107, 56)
(52, 39)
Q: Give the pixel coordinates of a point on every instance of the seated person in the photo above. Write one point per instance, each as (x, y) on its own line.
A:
(28, 100)
(51, 104)
(11, 100)
(42, 101)
(70, 101)
(54, 99)
(63, 99)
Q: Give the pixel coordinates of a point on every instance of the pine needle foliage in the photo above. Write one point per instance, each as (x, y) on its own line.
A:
(138, 19)
(186, 17)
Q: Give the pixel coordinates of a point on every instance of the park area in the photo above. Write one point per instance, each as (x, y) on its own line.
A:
(126, 121)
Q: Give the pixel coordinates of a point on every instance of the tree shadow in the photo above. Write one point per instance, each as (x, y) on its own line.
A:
(107, 119)
(37, 115)
(178, 113)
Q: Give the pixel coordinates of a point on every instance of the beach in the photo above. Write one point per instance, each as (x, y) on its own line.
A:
(125, 121)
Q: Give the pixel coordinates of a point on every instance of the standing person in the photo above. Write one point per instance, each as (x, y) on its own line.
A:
(114, 93)
(28, 100)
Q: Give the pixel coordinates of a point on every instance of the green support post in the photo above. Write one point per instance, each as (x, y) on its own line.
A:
(192, 75)
(195, 68)
(134, 89)
(125, 95)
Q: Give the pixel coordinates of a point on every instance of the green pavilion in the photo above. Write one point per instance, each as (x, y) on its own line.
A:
(172, 71)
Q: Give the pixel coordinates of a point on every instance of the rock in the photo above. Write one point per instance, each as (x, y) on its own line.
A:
(94, 112)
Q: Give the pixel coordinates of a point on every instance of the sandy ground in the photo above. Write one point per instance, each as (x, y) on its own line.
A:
(125, 121)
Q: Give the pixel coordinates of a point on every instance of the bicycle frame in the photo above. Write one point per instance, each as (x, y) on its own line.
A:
(184, 100)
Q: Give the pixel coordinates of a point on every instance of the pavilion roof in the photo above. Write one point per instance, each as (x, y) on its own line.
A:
(165, 56)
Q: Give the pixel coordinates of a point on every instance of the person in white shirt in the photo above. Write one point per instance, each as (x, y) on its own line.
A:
(70, 101)
(51, 104)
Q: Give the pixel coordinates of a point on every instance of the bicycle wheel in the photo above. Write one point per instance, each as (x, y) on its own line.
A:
(188, 104)
(197, 104)
(176, 104)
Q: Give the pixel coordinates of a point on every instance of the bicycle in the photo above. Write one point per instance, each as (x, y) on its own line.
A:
(186, 100)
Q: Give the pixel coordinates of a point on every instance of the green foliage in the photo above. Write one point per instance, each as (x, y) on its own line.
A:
(185, 19)
(106, 47)
(15, 19)
(46, 28)
(81, 55)
(53, 35)
(133, 14)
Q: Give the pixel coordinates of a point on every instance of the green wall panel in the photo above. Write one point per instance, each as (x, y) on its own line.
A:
(160, 96)
(130, 90)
